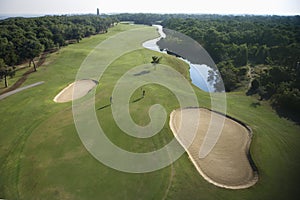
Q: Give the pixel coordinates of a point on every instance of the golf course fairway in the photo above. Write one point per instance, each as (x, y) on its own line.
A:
(42, 156)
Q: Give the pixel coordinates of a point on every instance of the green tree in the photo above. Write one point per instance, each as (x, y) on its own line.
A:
(288, 98)
(261, 54)
(242, 57)
(48, 31)
(32, 49)
(47, 43)
(5, 71)
(229, 75)
(254, 85)
(7, 52)
(155, 60)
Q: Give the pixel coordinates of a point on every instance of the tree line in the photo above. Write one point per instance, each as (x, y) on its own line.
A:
(239, 43)
(23, 39)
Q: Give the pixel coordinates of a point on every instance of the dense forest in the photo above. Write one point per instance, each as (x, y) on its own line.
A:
(23, 39)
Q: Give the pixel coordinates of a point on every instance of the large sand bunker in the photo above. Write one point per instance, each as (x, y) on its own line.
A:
(82, 88)
(229, 164)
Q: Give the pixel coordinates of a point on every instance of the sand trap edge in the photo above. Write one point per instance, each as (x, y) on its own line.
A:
(198, 168)
(56, 98)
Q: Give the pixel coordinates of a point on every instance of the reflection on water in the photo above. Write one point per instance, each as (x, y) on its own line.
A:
(199, 75)
(203, 76)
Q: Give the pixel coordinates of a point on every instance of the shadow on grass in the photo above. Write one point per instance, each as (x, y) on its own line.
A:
(104, 107)
(142, 73)
(283, 113)
(255, 104)
(136, 100)
(288, 114)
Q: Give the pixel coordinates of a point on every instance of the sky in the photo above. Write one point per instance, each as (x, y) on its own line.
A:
(256, 7)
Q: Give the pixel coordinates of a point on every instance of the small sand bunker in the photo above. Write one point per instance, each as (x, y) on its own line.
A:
(229, 164)
(82, 88)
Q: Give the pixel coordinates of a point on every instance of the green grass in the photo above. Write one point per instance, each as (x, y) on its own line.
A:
(42, 157)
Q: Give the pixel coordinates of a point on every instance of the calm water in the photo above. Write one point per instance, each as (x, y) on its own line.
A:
(199, 73)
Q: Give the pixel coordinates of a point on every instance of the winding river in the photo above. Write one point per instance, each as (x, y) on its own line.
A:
(199, 73)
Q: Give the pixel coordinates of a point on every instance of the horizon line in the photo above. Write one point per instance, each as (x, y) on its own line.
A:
(27, 15)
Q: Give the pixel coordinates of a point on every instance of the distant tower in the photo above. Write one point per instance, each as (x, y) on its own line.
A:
(98, 11)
